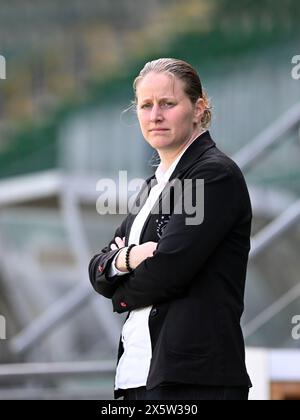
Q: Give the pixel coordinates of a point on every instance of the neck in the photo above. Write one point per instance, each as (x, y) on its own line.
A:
(167, 157)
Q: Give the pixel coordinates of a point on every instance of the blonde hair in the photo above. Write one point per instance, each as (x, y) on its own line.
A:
(183, 71)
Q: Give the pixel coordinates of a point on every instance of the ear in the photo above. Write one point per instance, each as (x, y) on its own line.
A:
(198, 110)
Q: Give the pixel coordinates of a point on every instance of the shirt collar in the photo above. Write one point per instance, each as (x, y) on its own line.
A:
(162, 176)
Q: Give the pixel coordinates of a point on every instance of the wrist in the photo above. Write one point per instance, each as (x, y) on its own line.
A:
(127, 258)
(120, 263)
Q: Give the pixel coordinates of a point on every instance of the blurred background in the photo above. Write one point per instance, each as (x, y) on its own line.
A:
(69, 73)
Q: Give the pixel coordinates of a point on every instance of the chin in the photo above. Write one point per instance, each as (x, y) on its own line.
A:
(159, 142)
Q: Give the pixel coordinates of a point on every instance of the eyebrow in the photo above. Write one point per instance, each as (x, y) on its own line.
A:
(161, 99)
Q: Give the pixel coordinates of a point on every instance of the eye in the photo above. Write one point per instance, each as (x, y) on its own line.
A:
(145, 106)
(167, 104)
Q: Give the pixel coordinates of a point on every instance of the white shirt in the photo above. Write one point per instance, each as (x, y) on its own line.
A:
(133, 367)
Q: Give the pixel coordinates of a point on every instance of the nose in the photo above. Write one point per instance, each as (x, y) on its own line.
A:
(156, 114)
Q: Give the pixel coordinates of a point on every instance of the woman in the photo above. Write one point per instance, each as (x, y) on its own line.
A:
(181, 282)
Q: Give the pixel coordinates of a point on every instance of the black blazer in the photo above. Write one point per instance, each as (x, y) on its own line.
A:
(196, 278)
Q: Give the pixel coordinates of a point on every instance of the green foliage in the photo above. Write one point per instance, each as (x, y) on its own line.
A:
(32, 149)
(275, 9)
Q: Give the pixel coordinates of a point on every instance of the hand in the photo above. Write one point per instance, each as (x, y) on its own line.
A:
(120, 243)
(137, 255)
(140, 252)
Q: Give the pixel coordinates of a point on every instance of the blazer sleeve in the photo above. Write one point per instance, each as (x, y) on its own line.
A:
(100, 264)
(184, 249)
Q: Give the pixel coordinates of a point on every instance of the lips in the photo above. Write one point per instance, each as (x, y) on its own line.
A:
(159, 129)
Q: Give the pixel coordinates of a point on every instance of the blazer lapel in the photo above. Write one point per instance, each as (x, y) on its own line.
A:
(140, 201)
(192, 154)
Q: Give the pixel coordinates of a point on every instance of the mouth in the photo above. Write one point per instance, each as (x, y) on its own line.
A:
(158, 130)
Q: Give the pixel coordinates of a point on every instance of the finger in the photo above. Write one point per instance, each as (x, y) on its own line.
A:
(113, 246)
(119, 242)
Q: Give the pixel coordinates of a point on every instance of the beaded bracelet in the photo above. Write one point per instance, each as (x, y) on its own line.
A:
(127, 257)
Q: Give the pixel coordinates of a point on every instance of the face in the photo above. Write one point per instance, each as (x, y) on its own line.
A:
(167, 117)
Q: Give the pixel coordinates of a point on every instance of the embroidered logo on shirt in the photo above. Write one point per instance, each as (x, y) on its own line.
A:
(161, 224)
